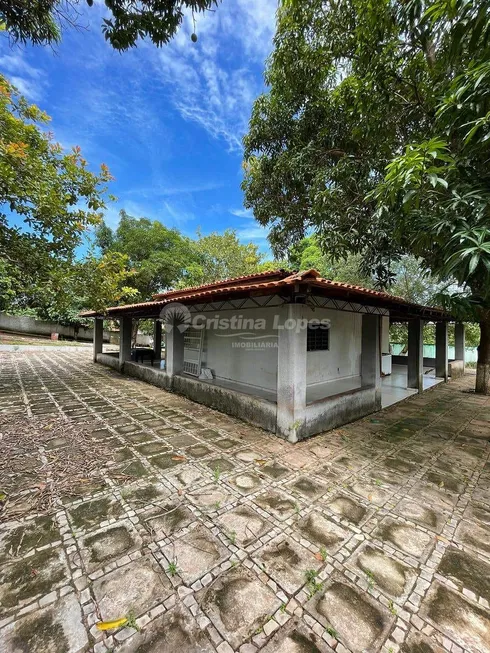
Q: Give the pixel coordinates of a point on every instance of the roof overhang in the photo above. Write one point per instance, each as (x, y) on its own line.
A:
(290, 287)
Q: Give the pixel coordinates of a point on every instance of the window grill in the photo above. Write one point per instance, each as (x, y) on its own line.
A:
(318, 338)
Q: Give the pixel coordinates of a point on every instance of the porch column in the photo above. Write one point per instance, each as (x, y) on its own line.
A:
(98, 336)
(291, 372)
(371, 355)
(157, 339)
(174, 350)
(415, 371)
(459, 342)
(125, 326)
(442, 364)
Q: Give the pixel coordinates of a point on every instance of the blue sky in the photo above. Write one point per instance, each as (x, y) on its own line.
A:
(168, 122)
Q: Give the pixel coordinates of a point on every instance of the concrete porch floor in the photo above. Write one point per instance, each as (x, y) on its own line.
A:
(217, 537)
(394, 386)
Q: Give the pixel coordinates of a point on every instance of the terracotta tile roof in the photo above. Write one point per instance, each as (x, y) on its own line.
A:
(270, 281)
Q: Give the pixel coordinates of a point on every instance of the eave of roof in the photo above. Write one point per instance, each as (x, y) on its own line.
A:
(275, 281)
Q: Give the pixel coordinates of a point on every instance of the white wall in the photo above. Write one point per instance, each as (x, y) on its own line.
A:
(343, 360)
(254, 367)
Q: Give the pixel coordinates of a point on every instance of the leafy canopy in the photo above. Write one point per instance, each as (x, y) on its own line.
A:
(157, 255)
(221, 256)
(49, 199)
(375, 134)
(41, 21)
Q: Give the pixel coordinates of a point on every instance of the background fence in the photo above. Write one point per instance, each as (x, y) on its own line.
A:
(471, 353)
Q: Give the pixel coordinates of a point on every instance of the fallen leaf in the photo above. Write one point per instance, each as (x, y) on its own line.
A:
(110, 625)
(178, 458)
(260, 461)
(319, 556)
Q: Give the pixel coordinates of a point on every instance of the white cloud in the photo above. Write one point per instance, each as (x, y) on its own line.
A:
(214, 82)
(29, 80)
(242, 213)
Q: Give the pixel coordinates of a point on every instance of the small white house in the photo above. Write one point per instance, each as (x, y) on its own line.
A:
(288, 351)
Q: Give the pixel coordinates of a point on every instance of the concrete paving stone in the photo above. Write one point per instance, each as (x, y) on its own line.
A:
(287, 563)
(98, 548)
(211, 497)
(348, 508)
(467, 571)
(274, 470)
(431, 518)
(134, 588)
(146, 495)
(243, 525)
(90, 514)
(307, 487)
(475, 535)
(57, 628)
(413, 471)
(355, 618)
(388, 574)
(405, 537)
(17, 540)
(238, 604)
(322, 532)
(463, 622)
(33, 577)
(278, 503)
(246, 482)
(195, 553)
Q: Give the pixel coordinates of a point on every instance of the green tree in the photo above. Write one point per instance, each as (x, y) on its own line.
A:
(158, 255)
(375, 134)
(41, 21)
(221, 256)
(48, 198)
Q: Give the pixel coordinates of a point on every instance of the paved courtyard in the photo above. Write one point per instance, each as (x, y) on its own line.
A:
(211, 535)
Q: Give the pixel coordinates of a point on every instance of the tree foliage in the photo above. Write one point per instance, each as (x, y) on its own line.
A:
(41, 21)
(48, 198)
(375, 133)
(220, 256)
(157, 255)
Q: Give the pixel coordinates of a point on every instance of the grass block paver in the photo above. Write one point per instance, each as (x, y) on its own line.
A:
(55, 629)
(239, 605)
(134, 589)
(176, 631)
(406, 537)
(109, 543)
(243, 525)
(286, 562)
(217, 536)
(24, 580)
(356, 618)
(195, 553)
(466, 570)
(323, 532)
(462, 621)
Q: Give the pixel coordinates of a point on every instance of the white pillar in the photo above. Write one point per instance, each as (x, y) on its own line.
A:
(174, 350)
(371, 354)
(459, 342)
(415, 371)
(385, 334)
(157, 339)
(291, 371)
(125, 326)
(98, 336)
(442, 363)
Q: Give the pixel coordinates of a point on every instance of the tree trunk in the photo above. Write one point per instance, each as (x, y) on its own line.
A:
(483, 364)
(134, 332)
